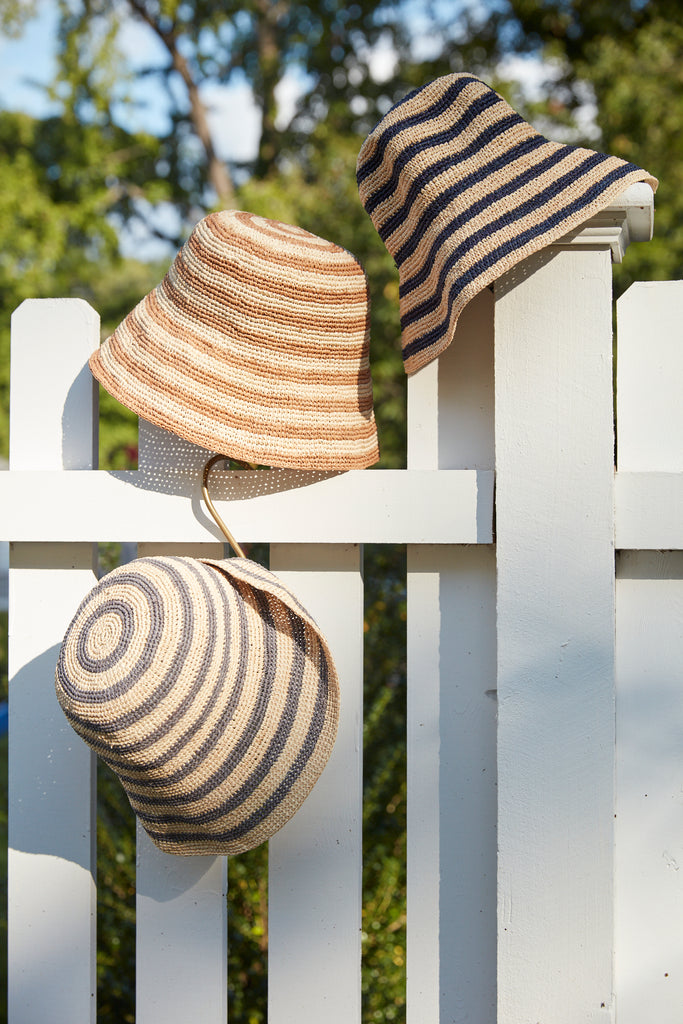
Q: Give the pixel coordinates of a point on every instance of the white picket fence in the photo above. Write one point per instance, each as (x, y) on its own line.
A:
(544, 856)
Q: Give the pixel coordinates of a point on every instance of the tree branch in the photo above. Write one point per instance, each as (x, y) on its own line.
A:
(217, 172)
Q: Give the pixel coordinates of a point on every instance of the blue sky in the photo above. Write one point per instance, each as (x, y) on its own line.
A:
(30, 58)
(27, 65)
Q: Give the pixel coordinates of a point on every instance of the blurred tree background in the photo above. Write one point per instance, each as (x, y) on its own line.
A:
(137, 150)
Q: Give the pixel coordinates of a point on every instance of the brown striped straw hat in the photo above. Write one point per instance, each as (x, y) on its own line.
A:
(254, 345)
(461, 189)
(210, 692)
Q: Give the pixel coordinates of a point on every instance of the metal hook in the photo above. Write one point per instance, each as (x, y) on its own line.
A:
(209, 504)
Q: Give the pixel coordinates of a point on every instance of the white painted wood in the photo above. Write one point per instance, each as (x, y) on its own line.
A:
(466, 397)
(468, 793)
(650, 379)
(630, 218)
(181, 905)
(315, 861)
(423, 962)
(282, 506)
(451, 972)
(181, 937)
(648, 510)
(451, 956)
(52, 341)
(649, 822)
(555, 557)
(423, 428)
(51, 855)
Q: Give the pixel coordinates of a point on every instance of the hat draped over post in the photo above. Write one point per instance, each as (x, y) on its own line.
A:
(461, 189)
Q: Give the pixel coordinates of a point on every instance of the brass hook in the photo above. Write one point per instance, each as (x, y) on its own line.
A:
(209, 504)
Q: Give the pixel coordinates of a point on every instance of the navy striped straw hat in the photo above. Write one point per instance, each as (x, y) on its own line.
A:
(460, 189)
(210, 692)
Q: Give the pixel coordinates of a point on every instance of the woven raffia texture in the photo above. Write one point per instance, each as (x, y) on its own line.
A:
(210, 692)
(254, 345)
(460, 189)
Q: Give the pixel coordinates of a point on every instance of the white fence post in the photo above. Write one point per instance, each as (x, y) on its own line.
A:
(555, 557)
(451, 961)
(51, 859)
(649, 823)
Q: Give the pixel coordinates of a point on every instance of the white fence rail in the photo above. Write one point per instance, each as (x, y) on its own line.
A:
(518, 908)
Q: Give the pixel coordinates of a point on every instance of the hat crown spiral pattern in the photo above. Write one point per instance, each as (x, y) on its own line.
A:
(460, 189)
(254, 345)
(210, 692)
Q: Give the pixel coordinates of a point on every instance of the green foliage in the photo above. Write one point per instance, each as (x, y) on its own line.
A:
(115, 901)
(14, 14)
(60, 193)
(384, 785)
(627, 58)
(248, 936)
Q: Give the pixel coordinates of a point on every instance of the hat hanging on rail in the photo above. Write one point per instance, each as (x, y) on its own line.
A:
(255, 344)
(461, 189)
(208, 689)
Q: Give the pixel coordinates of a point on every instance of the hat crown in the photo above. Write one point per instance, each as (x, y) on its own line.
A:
(255, 345)
(210, 692)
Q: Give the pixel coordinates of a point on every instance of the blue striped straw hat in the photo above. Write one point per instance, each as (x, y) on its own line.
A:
(210, 692)
(460, 189)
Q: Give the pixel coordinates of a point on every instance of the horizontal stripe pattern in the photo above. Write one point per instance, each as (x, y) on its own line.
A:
(255, 345)
(211, 693)
(460, 189)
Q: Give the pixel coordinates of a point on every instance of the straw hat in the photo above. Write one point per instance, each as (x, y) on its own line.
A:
(210, 692)
(460, 189)
(255, 345)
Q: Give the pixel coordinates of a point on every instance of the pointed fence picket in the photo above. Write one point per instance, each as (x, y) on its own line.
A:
(514, 672)
(649, 592)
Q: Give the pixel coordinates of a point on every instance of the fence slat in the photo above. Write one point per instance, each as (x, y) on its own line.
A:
(315, 861)
(285, 506)
(554, 529)
(51, 857)
(649, 823)
(181, 908)
(451, 967)
(649, 370)
(181, 937)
